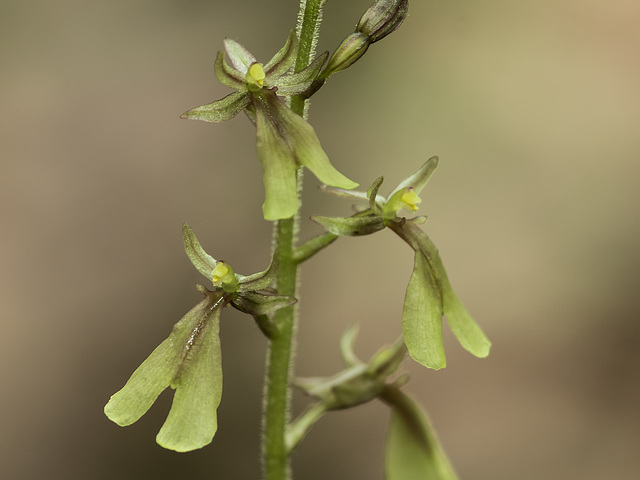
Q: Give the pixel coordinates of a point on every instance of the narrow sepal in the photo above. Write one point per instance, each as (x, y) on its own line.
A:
(413, 451)
(203, 262)
(258, 303)
(351, 226)
(221, 110)
(284, 59)
(372, 194)
(419, 179)
(260, 280)
(240, 57)
(339, 192)
(300, 83)
(422, 316)
(227, 75)
(347, 341)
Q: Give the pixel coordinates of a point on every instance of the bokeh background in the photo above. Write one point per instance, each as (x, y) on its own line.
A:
(534, 110)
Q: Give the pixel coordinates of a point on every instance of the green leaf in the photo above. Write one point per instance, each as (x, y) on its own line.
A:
(259, 303)
(278, 165)
(351, 226)
(189, 361)
(413, 451)
(203, 262)
(284, 59)
(419, 179)
(227, 75)
(240, 57)
(422, 316)
(221, 110)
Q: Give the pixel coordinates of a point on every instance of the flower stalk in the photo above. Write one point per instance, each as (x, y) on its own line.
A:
(277, 405)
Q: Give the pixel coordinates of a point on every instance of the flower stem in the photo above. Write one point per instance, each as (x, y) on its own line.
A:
(279, 366)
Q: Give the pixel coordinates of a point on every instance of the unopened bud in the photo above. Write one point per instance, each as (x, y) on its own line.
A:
(382, 18)
(349, 51)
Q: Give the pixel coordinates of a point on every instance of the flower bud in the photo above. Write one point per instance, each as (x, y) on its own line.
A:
(382, 18)
(349, 52)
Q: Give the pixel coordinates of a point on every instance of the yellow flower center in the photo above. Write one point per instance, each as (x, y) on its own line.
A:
(411, 199)
(219, 272)
(255, 77)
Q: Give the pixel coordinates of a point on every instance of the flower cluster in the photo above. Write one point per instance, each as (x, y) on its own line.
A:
(190, 360)
(285, 140)
(429, 293)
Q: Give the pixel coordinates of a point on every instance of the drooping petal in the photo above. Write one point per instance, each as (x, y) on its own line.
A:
(220, 110)
(283, 60)
(422, 316)
(192, 420)
(278, 164)
(240, 57)
(304, 142)
(413, 451)
(466, 330)
(203, 262)
(300, 82)
(158, 371)
(418, 180)
(227, 75)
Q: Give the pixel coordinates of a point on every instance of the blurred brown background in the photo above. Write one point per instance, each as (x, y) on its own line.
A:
(534, 110)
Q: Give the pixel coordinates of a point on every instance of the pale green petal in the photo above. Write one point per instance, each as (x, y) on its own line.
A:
(298, 83)
(351, 226)
(305, 144)
(466, 330)
(283, 60)
(203, 262)
(221, 110)
(240, 57)
(147, 382)
(419, 179)
(278, 166)
(422, 317)
(347, 342)
(156, 373)
(192, 421)
(257, 303)
(227, 75)
(413, 451)
(260, 280)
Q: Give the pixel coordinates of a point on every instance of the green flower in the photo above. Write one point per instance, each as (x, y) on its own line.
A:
(429, 293)
(190, 360)
(285, 141)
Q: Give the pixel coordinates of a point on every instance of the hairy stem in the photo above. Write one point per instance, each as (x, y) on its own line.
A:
(279, 367)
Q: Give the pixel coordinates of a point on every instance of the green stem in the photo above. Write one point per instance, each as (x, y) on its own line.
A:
(313, 246)
(279, 367)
